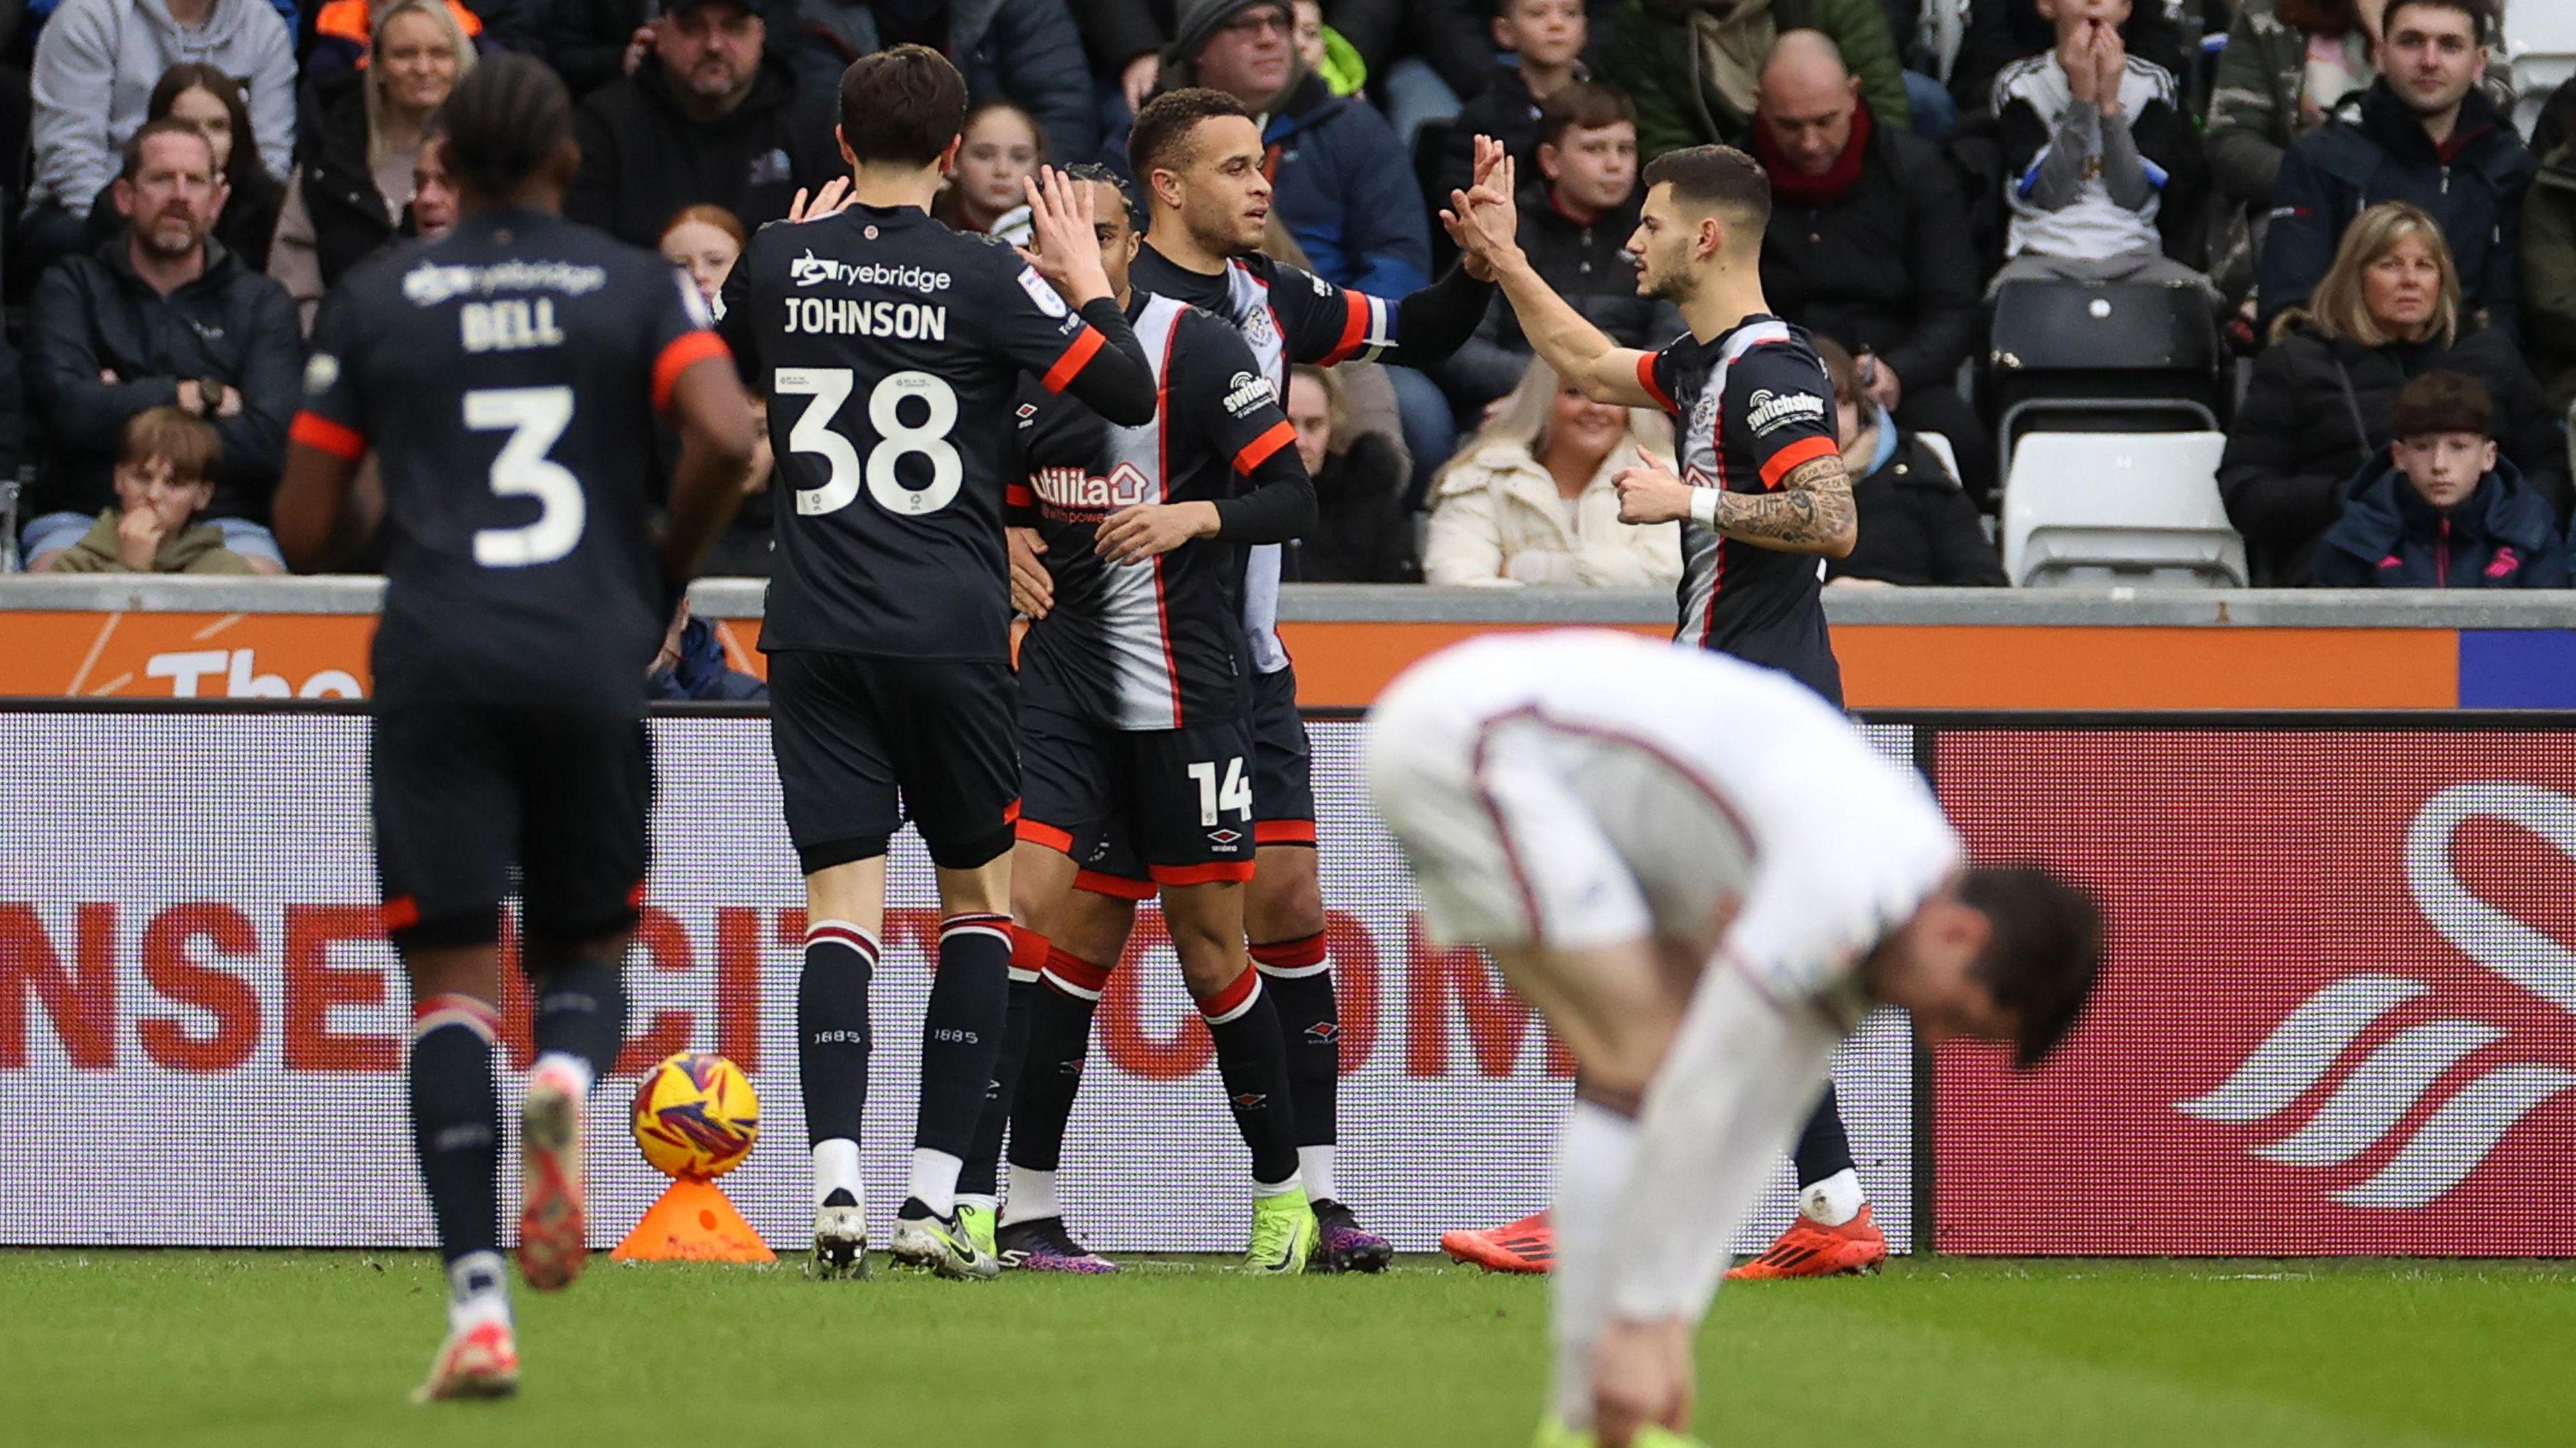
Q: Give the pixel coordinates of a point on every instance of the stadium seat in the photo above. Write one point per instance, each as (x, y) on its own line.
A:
(2540, 40)
(2085, 509)
(2122, 357)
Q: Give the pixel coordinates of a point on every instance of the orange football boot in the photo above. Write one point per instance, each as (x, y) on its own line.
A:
(1528, 1245)
(480, 1362)
(1811, 1249)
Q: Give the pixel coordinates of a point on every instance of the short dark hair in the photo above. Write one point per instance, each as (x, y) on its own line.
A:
(166, 126)
(2480, 13)
(1715, 176)
(1583, 106)
(194, 448)
(506, 120)
(1160, 139)
(2043, 955)
(904, 104)
(2442, 401)
(1093, 171)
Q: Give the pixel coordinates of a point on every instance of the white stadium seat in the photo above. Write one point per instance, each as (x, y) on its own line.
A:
(2540, 40)
(2085, 509)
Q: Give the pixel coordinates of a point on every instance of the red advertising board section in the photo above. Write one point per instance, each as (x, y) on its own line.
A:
(2338, 1012)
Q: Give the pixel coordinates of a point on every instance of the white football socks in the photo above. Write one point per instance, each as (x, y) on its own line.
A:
(1031, 1197)
(1592, 1160)
(478, 1291)
(934, 1181)
(1835, 1200)
(836, 1168)
(1315, 1164)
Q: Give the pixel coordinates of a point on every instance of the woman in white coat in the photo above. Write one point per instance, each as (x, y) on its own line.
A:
(1529, 501)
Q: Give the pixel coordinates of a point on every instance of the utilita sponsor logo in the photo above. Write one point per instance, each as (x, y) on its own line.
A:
(2374, 1095)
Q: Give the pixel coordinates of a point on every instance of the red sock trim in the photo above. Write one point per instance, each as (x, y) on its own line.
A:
(1303, 951)
(454, 1008)
(1029, 950)
(1074, 971)
(1233, 998)
(837, 932)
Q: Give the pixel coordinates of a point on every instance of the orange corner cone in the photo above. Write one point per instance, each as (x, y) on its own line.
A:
(693, 1222)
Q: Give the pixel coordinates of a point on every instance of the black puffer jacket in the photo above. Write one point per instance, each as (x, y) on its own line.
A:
(1916, 526)
(2499, 536)
(2297, 438)
(351, 218)
(92, 314)
(643, 159)
(1362, 533)
(1587, 264)
(1887, 269)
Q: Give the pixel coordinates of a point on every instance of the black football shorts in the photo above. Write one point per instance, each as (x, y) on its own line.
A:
(865, 743)
(463, 792)
(1283, 789)
(1150, 807)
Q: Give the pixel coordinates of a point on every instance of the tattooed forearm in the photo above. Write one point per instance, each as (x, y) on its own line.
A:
(1811, 512)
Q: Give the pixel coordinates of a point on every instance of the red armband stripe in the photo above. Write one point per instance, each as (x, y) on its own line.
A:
(1258, 451)
(1075, 358)
(1354, 328)
(1795, 456)
(1018, 495)
(1646, 379)
(323, 435)
(683, 352)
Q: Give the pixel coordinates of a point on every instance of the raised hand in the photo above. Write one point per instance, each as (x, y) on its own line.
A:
(1483, 221)
(1066, 253)
(830, 197)
(2111, 55)
(1649, 493)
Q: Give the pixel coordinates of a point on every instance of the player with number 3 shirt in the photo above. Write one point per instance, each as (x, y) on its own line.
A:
(890, 349)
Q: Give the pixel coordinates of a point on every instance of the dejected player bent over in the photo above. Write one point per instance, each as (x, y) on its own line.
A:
(507, 378)
(890, 350)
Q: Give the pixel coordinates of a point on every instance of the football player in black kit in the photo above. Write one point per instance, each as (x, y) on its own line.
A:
(507, 378)
(1762, 498)
(889, 348)
(1197, 158)
(1136, 730)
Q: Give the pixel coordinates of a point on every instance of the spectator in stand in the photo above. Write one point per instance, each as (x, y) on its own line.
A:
(1325, 52)
(161, 317)
(2102, 169)
(1693, 65)
(711, 119)
(2440, 508)
(2549, 274)
(1868, 245)
(434, 202)
(1341, 182)
(593, 43)
(1917, 525)
(353, 178)
(1125, 40)
(165, 477)
(2000, 32)
(213, 101)
(2321, 395)
(1024, 51)
(1577, 213)
(2557, 122)
(705, 242)
(97, 63)
(2424, 133)
(345, 34)
(1422, 57)
(692, 665)
(1543, 41)
(1534, 498)
(998, 150)
(1362, 532)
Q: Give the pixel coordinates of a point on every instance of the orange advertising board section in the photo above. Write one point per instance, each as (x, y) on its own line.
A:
(1346, 664)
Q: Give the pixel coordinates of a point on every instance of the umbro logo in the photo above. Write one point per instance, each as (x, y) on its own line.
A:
(1251, 1101)
(1325, 1031)
(1224, 837)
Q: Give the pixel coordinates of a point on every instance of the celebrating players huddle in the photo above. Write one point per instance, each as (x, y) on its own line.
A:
(1694, 870)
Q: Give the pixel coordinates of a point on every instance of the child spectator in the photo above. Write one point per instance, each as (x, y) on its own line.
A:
(705, 242)
(2100, 164)
(165, 477)
(1917, 526)
(1544, 37)
(2441, 508)
(998, 150)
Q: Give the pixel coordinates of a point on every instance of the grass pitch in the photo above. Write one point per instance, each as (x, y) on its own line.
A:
(173, 1349)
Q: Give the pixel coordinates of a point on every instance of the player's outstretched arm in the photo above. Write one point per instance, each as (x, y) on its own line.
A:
(1433, 323)
(1579, 351)
(717, 432)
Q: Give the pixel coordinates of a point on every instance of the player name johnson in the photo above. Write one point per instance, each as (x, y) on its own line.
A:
(847, 317)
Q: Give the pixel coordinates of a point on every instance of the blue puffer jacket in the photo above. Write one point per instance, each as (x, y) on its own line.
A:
(2504, 535)
(2374, 151)
(1024, 51)
(1344, 189)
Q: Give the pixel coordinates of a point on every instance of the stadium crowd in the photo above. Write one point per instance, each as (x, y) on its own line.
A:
(2341, 184)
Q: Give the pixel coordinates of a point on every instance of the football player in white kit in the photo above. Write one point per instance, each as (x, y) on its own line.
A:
(1702, 875)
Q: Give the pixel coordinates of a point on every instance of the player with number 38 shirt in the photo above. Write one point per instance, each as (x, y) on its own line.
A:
(890, 349)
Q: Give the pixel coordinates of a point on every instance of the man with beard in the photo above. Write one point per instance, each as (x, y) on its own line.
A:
(708, 119)
(161, 316)
(2425, 133)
